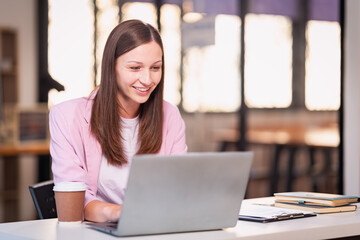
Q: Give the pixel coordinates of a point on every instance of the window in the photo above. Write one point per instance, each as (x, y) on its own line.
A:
(268, 61)
(139, 10)
(202, 51)
(212, 71)
(107, 18)
(71, 48)
(322, 82)
(171, 36)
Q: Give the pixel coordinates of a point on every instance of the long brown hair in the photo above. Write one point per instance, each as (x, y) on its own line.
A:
(105, 119)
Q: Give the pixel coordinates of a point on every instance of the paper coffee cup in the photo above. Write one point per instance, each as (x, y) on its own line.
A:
(69, 198)
(69, 187)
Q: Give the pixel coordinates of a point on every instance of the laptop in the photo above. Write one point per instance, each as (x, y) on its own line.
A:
(182, 193)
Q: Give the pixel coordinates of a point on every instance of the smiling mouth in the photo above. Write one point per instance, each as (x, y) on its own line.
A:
(142, 89)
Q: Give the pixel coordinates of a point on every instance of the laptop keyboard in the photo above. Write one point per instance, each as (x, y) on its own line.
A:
(112, 225)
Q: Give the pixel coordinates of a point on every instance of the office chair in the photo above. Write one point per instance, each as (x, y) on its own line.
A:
(44, 200)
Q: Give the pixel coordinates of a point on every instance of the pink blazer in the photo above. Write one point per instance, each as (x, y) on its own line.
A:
(76, 154)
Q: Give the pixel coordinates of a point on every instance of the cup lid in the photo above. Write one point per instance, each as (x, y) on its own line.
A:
(69, 186)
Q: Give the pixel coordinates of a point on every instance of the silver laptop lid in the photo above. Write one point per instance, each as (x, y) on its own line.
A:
(191, 192)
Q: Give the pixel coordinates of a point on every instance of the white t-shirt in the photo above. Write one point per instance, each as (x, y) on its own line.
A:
(113, 179)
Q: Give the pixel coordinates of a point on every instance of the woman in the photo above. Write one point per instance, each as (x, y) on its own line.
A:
(93, 139)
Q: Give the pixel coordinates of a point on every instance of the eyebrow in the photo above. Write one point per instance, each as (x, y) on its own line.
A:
(133, 61)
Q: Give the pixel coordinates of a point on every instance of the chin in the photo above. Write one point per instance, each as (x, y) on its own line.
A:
(142, 100)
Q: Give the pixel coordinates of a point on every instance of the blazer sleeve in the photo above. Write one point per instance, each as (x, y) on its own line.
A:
(174, 140)
(67, 165)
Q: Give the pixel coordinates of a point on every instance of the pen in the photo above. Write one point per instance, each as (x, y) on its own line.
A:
(288, 216)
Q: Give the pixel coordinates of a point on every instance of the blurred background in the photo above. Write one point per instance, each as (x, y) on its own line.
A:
(268, 76)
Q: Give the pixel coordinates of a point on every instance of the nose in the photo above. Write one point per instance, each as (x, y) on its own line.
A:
(145, 77)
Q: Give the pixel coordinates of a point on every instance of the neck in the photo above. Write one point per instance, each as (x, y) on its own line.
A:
(129, 112)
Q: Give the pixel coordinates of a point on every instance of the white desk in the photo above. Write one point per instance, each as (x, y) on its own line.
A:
(320, 227)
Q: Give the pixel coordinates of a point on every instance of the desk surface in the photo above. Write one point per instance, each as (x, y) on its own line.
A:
(42, 148)
(323, 226)
(293, 135)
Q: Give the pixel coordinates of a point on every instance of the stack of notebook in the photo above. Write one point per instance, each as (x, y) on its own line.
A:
(316, 202)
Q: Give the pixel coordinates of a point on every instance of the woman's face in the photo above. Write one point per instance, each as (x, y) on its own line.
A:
(138, 72)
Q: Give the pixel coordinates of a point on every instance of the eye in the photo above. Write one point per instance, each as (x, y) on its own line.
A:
(156, 68)
(135, 68)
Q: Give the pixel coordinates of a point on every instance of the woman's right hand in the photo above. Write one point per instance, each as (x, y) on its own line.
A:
(98, 211)
(112, 212)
